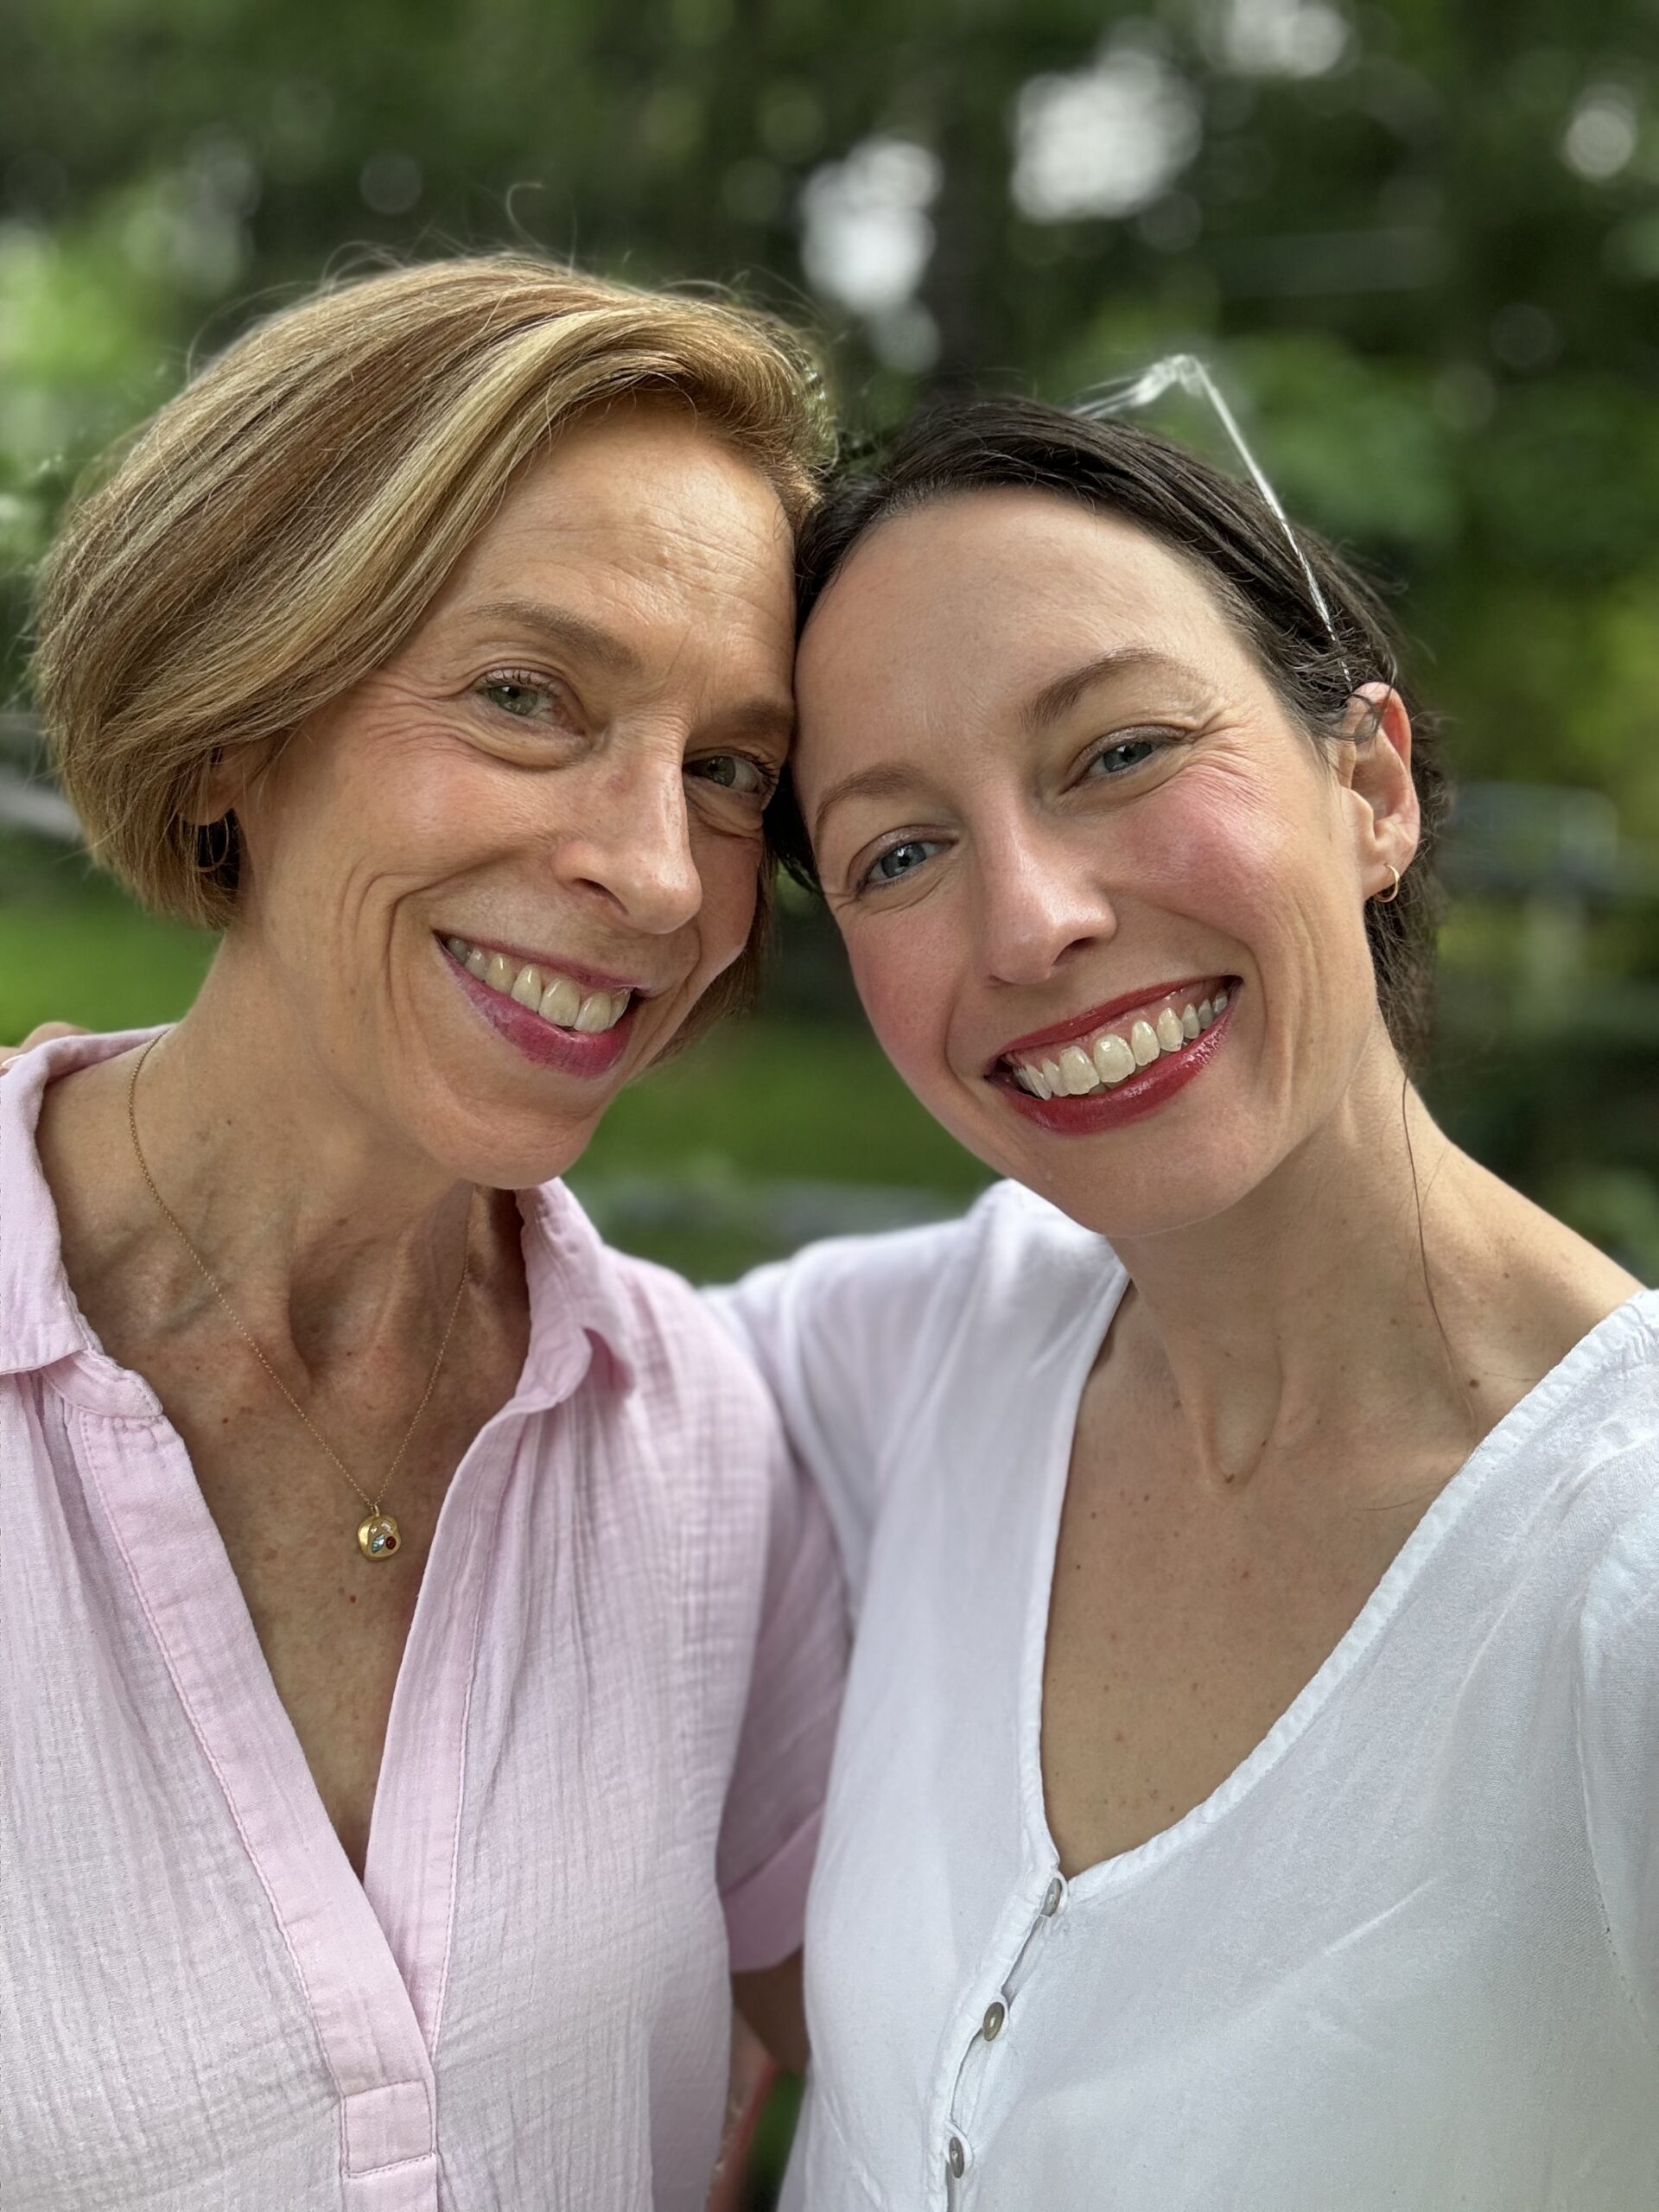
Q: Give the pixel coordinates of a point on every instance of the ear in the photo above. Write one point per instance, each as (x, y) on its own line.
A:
(1374, 765)
(215, 795)
(228, 780)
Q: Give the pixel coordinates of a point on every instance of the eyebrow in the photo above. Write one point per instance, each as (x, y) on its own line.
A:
(571, 631)
(763, 720)
(1057, 699)
(867, 783)
(1039, 712)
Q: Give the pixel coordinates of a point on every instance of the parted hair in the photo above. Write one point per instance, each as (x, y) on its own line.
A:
(276, 532)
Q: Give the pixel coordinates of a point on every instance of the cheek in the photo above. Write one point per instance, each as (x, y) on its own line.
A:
(898, 971)
(362, 797)
(728, 870)
(1261, 866)
(1257, 860)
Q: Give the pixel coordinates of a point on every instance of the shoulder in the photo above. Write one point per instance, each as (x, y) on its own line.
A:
(1597, 1411)
(1607, 1429)
(862, 1339)
(1603, 1435)
(1616, 1703)
(677, 1348)
(884, 1297)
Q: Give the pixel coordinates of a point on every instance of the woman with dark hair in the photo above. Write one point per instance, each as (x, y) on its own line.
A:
(1243, 1795)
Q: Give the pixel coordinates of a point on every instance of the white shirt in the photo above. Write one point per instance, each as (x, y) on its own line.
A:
(601, 1785)
(1407, 1955)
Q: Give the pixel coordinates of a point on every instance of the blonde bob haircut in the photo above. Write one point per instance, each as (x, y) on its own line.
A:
(278, 529)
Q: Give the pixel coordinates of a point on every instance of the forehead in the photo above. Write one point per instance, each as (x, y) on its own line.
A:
(959, 609)
(643, 515)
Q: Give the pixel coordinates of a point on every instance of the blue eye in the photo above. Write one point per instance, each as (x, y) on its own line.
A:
(1126, 754)
(899, 861)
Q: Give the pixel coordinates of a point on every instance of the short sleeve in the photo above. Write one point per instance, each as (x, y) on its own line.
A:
(841, 1333)
(1618, 1737)
(769, 1832)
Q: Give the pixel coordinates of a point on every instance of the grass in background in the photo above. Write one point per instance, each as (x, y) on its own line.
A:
(74, 948)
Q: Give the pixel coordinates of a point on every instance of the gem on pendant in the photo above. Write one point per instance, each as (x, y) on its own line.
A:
(378, 1538)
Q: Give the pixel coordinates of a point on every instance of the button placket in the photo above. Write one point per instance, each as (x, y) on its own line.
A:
(957, 2147)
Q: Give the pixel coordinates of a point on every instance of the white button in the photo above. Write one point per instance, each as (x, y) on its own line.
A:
(991, 2027)
(956, 2155)
(1055, 1898)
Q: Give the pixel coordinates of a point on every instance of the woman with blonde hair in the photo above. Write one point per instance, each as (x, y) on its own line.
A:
(417, 1660)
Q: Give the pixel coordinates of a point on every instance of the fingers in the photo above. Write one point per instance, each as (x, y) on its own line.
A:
(43, 1034)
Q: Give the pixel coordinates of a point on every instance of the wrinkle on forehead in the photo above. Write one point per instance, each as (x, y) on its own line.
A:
(650, 490)
(662, 535)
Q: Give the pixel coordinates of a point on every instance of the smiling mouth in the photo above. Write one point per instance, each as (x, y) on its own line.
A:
(560, 1002)
(1102, 1058)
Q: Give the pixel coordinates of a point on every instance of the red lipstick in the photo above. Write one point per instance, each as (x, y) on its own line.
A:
(1113, 1107)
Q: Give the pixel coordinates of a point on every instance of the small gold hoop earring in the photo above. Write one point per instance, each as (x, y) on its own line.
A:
(1387, 898)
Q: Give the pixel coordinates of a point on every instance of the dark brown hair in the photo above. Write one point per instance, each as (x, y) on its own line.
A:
(1229, 532)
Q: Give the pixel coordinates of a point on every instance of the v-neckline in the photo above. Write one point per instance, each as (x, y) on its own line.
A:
(371, 1954)
(1444, 1511)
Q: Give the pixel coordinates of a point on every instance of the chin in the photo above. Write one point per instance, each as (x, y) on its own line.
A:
(498, 1143)
(1128, 1215)
(1149, 1181)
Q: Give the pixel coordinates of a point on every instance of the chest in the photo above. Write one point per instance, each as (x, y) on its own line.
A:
(538, 1925)
(1336, 1973)
(331, 1624)
(1183, 1622)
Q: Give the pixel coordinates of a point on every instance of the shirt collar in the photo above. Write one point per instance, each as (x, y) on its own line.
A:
(40, 1320)
(578, 1302)
(579, 1306)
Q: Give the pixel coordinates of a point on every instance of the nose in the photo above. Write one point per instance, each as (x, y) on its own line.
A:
(1042, 900)
(631, 838)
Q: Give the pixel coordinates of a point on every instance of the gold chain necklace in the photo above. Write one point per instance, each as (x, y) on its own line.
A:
(378, 1537)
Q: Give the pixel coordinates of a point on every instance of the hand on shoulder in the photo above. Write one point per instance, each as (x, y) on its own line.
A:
(41, 1034)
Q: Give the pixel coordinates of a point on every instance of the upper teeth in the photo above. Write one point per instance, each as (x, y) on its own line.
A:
(1109, 1057)
(555, 997)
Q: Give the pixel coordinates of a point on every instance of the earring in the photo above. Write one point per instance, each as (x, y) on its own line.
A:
(1387, 898)
(212, 852)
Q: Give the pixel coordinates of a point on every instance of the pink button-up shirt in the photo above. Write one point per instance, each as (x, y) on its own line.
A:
(600, 1787)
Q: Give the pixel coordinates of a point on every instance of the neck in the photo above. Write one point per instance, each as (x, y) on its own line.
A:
(1316, 1311)
(326, 1230)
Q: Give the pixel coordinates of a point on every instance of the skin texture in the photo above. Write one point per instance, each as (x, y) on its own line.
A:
(1303, 1360)
(568, 757)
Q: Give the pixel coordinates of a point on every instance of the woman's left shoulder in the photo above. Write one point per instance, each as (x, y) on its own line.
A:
(680, 1345)
(1612, 1417)
(1616, 1718)
(677, 1359)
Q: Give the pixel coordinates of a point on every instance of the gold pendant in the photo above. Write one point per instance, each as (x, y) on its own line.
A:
(378, 1538)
